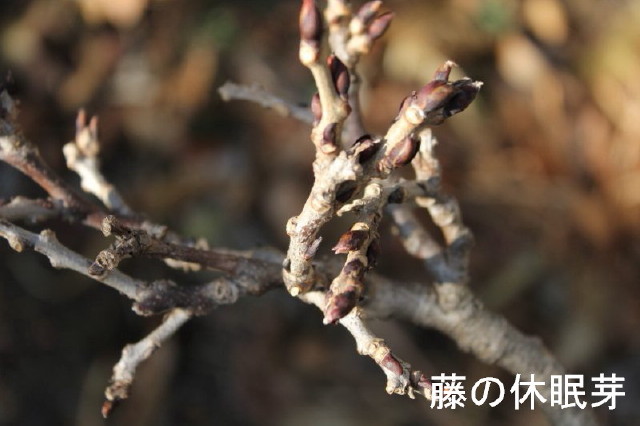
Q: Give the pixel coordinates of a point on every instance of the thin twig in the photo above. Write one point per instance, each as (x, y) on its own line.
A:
(254, 93)
(82, 157)
(134, 354)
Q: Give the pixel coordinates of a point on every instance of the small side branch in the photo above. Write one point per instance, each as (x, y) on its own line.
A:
(401, 379)
(62, 257)
(254, 93)
(134, 354)
(82, 157)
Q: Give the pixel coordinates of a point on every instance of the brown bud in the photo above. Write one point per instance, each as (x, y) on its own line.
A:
(433, 95)
(368, 11)
(443, 71)
(390, 363)
(339, 305)
(339, 75)
(329, 135)
(316, 108)
(419, 380)
(354, 269)
(365, 148)
(312, 249)
(379, 25)
(350, 241)
(310, 21)
(373, 252)
(466, 91)
(107, 407)
(401, 153)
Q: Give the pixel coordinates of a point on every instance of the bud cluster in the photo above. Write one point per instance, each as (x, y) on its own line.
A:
(367, 26)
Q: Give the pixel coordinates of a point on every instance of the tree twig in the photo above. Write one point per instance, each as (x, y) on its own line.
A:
(134, 354)
(254, 93)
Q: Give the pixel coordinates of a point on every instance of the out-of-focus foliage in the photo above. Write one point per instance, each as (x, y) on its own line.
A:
(546, 164)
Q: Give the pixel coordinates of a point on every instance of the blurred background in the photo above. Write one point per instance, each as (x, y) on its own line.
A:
(546, 165)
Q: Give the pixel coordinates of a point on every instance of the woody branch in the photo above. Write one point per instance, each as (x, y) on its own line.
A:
(349, 176)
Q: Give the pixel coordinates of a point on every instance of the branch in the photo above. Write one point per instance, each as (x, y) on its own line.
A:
(134, 354)
(82, 157)
(60, 256)
(254, 93)
(254, 273)
(486, 335)
(33, 210)
(401, 379)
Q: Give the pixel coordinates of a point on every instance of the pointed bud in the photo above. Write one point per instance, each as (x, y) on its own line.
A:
(316, 108)
(329, 136)
(443, 71)
(339, 75)
(379, 25)
(350, 241)
(418, 379)
(368, 11)
(310, 22)
(339, 305)
(310, 32)
(465, 94)
(365, 148)
(433, 95)
(107, 408)
(312, 249)
(401, 153)
(390, 363)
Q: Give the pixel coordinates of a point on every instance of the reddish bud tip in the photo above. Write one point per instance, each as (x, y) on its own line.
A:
(329, 136)
(107, 408)
(401, 153)
(353, 269)
(418, 379)
(350, 241)
(339, 75)
(316, 108)
(365, 148)
(390, 363)
(368, 11)
(339, 305)
(466, 91)
(380, 25)
(433, 95)
(310, 22)
(443, 71)
(312, 249)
